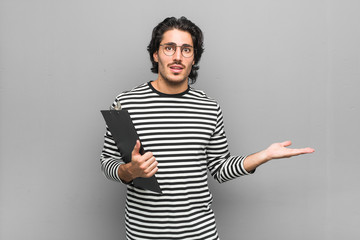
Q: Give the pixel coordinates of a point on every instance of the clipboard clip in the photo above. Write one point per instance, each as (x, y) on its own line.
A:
(116, 107)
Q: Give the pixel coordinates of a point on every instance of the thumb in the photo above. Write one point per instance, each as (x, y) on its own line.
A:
(136, 148)
(286, 143)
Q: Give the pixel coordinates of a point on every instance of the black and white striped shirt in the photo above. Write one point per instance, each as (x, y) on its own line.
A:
(185, 132)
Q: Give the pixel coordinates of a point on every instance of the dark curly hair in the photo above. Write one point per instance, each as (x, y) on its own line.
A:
(181, 24)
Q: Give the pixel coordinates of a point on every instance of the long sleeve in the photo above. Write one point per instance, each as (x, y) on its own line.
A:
(110, 158)
(222, 166)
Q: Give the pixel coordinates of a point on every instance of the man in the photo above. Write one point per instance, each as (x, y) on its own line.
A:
(182, 132)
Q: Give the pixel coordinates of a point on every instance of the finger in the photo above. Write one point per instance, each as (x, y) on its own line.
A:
(295, 152)
(136, 148)
(149, 162)
(149, 166)
(152, 172)
(286, 143)
(152, 166)
(307, 150)
(147, 155)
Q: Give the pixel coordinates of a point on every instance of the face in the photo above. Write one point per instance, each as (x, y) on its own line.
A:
(174, 69)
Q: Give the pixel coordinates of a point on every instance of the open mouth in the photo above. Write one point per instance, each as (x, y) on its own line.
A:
(176, 68)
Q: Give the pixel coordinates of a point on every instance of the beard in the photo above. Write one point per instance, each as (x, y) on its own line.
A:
(173, 78)
(174, 82)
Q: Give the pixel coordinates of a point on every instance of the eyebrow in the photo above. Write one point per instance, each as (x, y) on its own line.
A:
(172, 43)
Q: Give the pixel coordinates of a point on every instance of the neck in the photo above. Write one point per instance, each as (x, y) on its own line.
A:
(170, 87)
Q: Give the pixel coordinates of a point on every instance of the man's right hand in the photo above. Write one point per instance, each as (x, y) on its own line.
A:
(140, 165)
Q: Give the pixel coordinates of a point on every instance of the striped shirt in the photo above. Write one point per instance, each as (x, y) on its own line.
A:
(185, 132)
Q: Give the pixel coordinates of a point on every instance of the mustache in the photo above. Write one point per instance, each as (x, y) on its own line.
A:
(176, 63)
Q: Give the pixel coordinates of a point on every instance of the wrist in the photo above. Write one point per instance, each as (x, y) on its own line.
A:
(125, 173)
(253, 161)
(264, 156)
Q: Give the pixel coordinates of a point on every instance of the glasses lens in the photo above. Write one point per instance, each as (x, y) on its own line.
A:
(169, 49)
(187, 51)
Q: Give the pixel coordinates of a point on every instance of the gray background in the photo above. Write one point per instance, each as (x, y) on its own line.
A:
(280, 70)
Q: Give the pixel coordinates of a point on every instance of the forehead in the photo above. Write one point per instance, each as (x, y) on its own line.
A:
(177, 36)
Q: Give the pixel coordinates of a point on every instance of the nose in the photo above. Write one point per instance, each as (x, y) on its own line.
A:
(177, 55)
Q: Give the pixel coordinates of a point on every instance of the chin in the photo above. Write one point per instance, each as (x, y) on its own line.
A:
(176, 79)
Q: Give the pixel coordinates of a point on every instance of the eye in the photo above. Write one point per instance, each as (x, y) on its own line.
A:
(169, 48)
(187, 50)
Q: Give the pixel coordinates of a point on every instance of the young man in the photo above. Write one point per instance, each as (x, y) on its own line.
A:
(182, 132)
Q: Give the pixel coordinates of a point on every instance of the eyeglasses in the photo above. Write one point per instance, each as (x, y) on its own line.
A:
(170, 49)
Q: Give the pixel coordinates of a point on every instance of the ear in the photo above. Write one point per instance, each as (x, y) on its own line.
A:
(155, 56)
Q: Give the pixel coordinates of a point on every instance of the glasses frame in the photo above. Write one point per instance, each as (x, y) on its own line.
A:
(181, 49)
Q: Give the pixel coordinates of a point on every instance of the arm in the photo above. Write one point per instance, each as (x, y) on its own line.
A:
(140, 165)
(114, 167)
(274, 151)
(222, 166)
(110, 158)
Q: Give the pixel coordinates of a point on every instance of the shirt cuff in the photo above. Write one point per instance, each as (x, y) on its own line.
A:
(243, 168)
(118, 177)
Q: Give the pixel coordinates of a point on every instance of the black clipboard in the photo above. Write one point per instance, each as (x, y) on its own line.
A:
(125, 136)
